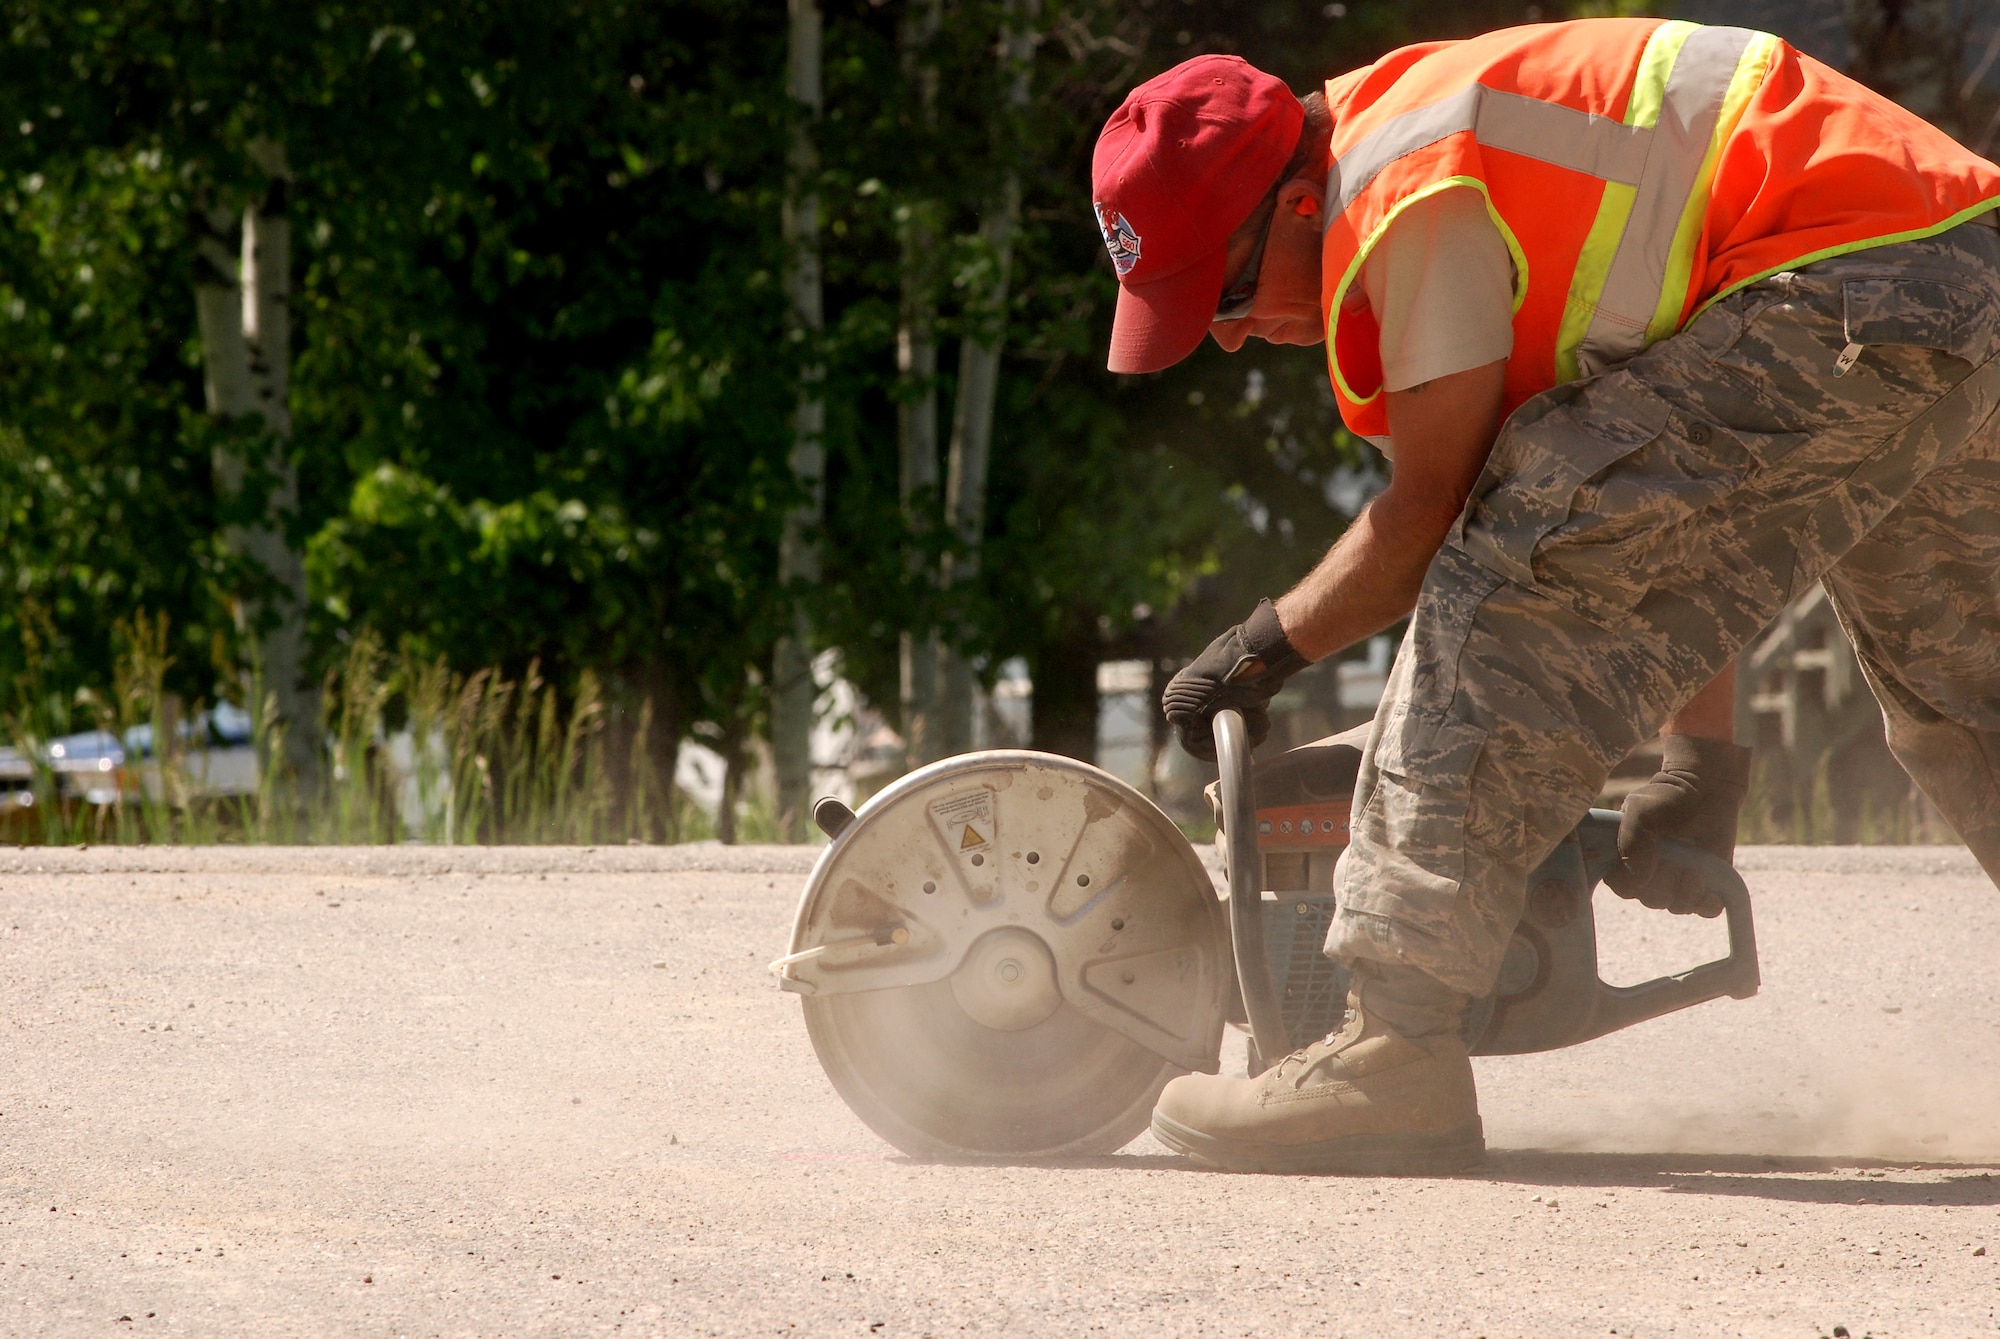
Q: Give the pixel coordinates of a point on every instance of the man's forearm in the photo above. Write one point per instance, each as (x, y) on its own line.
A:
(1443, 431)
(1366, 581)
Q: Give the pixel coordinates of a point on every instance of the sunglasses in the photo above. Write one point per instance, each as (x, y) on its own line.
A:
(1238, 299)
(1241, 296)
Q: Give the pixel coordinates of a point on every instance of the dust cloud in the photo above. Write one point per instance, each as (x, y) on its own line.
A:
(1876, 1035)
(1909, 1113)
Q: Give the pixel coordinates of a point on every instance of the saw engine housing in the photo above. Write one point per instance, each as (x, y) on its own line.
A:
(1548, 994)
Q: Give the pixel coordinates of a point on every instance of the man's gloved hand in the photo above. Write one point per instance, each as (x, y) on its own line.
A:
(1692, 799)
(1243, 668)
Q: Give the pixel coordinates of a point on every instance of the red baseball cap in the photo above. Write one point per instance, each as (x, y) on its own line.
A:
(1178, 168)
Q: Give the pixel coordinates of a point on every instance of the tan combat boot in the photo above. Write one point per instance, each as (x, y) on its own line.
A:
(1365, 1100)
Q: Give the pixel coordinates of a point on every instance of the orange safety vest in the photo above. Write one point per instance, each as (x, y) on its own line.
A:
(1638, 169)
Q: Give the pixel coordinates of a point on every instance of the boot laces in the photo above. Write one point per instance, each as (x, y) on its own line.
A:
(1304, 1055)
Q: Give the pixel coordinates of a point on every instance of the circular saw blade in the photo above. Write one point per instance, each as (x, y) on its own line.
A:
(1009, 954)
(936, 1083)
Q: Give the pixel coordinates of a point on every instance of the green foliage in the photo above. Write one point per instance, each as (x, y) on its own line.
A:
(1127, 515)
(535, 276)
(491, 760)
(105, 499)
(542, 379)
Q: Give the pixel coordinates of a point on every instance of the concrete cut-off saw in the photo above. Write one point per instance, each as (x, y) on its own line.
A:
(1008, 954)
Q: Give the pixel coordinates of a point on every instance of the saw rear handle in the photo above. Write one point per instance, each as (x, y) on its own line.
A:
(1549, 994)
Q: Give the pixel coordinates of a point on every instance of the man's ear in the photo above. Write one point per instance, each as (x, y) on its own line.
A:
(1301, 196)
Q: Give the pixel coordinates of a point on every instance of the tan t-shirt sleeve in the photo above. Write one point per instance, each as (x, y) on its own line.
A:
(1441, 285)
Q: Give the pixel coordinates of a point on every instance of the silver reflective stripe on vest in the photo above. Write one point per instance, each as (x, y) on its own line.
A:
(1546, 131)
(1688, 109)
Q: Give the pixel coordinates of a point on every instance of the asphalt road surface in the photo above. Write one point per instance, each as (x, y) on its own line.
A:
(555, 1092)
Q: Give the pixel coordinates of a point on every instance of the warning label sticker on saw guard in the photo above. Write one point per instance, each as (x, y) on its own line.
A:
(966, 820)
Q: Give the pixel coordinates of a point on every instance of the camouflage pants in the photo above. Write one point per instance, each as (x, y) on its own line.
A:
(1634, 530)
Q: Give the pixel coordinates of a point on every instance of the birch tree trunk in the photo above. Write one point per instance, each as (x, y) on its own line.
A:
(794, 691)
(916, 367)
(979, 369)
(243, 310)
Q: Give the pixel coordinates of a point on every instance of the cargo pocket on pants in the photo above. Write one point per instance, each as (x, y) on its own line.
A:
(1416, 815)
(1889, 313)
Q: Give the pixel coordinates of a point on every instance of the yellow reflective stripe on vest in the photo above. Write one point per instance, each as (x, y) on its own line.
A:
(1593, 267)
(1614, 209)
(1632, 278)
(1751, 67)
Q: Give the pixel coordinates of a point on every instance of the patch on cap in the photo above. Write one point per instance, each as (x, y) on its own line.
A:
(1119, 238)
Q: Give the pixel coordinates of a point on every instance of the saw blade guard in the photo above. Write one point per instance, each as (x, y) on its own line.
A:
(1009, 953)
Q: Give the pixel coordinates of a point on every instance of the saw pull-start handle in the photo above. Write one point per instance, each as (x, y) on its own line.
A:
(1246, 895)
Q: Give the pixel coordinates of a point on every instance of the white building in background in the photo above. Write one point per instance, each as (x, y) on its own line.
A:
(1359, 684)
(1125, 720)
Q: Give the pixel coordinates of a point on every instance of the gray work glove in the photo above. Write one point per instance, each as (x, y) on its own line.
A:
(1242, 669)
(1692, 799)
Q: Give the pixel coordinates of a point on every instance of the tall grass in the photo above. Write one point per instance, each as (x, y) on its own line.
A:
(1787, 808)
(488, 759)
(413, 750)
